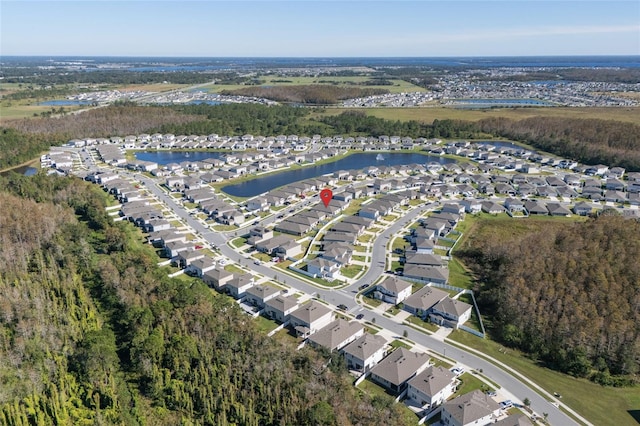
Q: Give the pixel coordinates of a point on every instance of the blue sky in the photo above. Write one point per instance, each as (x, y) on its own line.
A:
(304, 28)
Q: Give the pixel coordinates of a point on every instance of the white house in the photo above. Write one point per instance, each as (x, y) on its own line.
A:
(310, 318)
(337, 334)
(431, 387)
(392, 290)
(365, 352)
(473, 408)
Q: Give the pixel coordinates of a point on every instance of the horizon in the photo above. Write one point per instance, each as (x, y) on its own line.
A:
(320, 29)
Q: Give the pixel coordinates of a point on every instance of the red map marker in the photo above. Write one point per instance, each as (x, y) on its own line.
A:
(326, 195)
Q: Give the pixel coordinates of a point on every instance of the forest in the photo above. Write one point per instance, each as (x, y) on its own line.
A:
(568, 294)
(93, 332)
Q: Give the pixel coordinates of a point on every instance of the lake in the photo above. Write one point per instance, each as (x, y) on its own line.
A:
(65, 102)
(352, 162)
(268, 182)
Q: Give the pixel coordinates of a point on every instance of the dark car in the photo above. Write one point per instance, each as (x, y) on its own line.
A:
(343, 307)
(359, 316)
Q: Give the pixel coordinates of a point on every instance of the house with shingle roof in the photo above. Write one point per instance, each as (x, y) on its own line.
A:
(421, 302)
(392, 290)
(473, 408)
(450, 312)
(365, 352)
(310, 318)
(336, 334)
(280, 307)
(432, 387)
(260, 294)
(398, 367)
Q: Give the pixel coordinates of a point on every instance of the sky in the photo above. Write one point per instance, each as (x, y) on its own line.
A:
(328, 28)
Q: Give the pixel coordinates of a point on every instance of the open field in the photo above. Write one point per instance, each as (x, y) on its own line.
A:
(398, 86)
(16, 110)
(428, 114)
(600, 405)
(156, 87)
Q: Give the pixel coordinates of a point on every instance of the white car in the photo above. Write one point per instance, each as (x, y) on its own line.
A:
(222, 262)
(458, 371)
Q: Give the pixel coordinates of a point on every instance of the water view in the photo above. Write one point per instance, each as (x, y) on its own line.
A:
(268, 182)
(355, 161)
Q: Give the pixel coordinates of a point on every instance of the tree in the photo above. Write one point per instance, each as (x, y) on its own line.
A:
(526, 402)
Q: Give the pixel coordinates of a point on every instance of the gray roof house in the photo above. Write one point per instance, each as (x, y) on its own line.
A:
(217, 278)
(260, 294)
(280, 307)
(365, 352)
(398, 367)
(473, 408)
(421, 302)
(392, 290)
(450, 312)
(430, 274)
(336, 334)
(310, 318)
(432, 387)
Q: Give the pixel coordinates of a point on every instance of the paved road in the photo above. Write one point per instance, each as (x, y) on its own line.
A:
(347, 295)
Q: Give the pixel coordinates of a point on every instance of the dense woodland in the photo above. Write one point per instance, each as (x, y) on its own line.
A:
(609, 142)
(566, 293)
(314, 94)
(92, 332)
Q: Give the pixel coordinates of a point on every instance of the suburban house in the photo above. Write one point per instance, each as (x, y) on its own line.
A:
(398, 367)
(238, 285)
(473, 408)
(322, 267)
(280, 307)
(310, 318)
(365, 352)
(432, 387)
(217, 278)
(421, 302)
(337, 334)
(450, 312)
(260, 294)
(200, 266)
(429, 274)
(392, 290)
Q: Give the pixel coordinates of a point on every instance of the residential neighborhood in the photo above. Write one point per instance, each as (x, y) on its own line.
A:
(387, 233)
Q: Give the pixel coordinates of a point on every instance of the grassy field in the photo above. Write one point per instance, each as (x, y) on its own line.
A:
(399, 86)
(428, 114)
(155, 87)
(600, 405)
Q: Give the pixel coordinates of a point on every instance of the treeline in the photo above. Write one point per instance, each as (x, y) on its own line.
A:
(566, 294)
(106, 77)
(93, 332)
(313, 94)
(358, 122)
(240, 119)
(590, 141)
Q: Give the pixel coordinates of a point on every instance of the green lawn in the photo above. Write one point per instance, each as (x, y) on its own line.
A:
(265, 324)
(371, 301)
(365, 238)
(399, 344)
(458, 275)
(235, 269)
(417, 321)
(600, 405)
(238, 242)
(351, 270)
(471, 383)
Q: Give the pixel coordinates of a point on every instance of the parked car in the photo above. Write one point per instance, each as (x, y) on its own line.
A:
(359, 316)
(458, 371)
(506, 404)
(343, 307)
